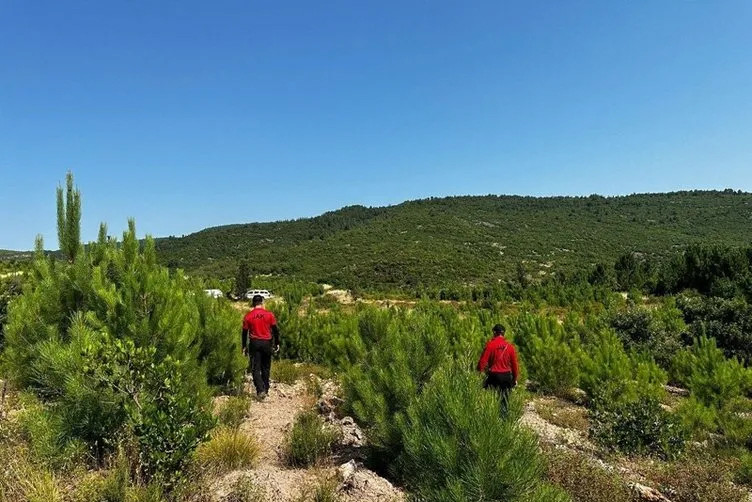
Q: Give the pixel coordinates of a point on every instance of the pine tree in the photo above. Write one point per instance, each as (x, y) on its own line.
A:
(242, 278)
(69, 219)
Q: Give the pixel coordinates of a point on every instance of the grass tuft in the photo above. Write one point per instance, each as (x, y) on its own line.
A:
(227, 450)
(234, 411)
(309, 441)
(323, 490)
(289, 372)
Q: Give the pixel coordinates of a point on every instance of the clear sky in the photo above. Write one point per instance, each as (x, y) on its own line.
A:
(187, 114)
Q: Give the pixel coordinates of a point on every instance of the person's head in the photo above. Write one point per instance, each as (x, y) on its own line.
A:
(498, 330)
(257, 300)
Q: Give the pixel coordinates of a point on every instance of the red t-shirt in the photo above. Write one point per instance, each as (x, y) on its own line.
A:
(499, 356)
(259, 322)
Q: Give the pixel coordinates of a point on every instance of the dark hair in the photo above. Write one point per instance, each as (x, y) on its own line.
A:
(257, 300)
(499, 329)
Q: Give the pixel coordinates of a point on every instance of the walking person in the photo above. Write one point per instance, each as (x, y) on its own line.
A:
(499, 362)
(260, 339)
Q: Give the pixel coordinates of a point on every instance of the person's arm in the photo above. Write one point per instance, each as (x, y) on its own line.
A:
(275, 332)
(515, 365)
(483, 363)
(244, 336)
(275, 336)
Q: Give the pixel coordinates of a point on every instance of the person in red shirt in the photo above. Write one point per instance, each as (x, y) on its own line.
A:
(260, 338)
(499, 361)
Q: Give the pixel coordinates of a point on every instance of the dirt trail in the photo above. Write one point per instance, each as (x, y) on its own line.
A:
(269, 421)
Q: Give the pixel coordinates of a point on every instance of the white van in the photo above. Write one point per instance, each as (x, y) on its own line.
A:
(214, 293)
(263, 293)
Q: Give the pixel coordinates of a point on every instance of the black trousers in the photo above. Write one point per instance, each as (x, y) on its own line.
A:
(503, 383)
(260, 352)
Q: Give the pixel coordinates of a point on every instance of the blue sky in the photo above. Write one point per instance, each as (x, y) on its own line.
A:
(188, 114)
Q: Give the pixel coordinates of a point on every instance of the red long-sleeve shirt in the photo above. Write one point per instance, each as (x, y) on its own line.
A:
(499, 356)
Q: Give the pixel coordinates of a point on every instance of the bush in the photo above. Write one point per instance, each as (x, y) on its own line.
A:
(657, 332)
(714, 380)
(639, 427)
(227, 450)
(698, 418)
(47, 441)
(611, 375)
(743, 474)
(309, 441)
(584, 480)
(550, 353)
(455, 452)
(234, 411)
(117, 346)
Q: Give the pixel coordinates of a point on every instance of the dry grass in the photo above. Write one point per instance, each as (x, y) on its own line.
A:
(227, 450)
(561, 415)
(322, 490)
(245, 489)
(289, 372)
(698, 480)
(583, 480)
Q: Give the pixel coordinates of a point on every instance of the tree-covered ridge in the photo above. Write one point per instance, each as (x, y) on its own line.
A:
(467, 239)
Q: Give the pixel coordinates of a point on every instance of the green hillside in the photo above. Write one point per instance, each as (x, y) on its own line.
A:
(466, 239)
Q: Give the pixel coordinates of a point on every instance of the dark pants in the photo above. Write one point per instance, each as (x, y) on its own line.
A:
(503, 383)
(260, 352)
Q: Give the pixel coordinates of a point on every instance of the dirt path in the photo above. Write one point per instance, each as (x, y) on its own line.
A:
(269, 422)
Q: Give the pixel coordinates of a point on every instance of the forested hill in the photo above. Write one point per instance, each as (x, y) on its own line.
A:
(466, 239)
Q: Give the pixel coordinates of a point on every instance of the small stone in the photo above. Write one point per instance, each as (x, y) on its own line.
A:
(346, 471)
(647, 493)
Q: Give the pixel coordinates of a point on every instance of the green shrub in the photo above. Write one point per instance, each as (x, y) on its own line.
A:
(227, 450)
(638, 427)
(168, 411)
(743, 474)
(47, 440)
(115, 345)
(234, 411)
(584, 480)
(612, 375)
(656, 331)
(711, 378)
(285, 371)
(309, 441)
(456, 452)
(550, 353)
(698, 418)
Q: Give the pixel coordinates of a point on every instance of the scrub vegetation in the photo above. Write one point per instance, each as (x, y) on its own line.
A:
(113, 359)
(446, 244)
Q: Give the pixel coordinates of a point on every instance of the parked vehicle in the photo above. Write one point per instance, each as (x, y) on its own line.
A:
(265, 294)
(214, 293)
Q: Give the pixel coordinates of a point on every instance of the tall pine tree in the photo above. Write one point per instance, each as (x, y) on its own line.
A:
(69, 219)
(242, 278)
